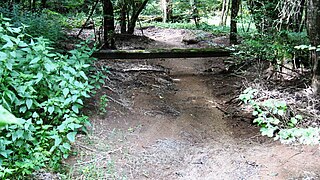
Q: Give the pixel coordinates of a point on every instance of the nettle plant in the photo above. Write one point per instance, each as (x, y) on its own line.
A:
(275, 121)
(46, 91)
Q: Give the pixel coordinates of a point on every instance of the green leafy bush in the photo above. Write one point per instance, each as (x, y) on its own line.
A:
(46, 23)
(275, 121)
(46, 90)
(274, 47)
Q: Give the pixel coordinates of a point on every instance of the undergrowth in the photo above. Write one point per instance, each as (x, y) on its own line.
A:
(217, 30)
(282, 120)
(45, 90)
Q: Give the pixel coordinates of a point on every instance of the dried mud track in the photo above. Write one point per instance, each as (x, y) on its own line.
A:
(174, 130)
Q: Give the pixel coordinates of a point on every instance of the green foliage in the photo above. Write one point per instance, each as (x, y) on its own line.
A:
(152, 8)
(217, 30)
(45, 23)
(275, 121)
(274, 48)
(103, 104)
(46, 90)
(6, 117)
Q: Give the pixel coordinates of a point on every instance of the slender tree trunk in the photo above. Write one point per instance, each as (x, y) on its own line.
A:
(224, 12)
(123, 18)
(313, 26)
(108, 20)
(195, 12)
(235, 5)
(164, 10)
(299, 22)
(134, 17)
(169, 10)
(43, 3)
(34, 5)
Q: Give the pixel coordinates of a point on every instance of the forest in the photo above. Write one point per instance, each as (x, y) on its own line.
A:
(159, 89)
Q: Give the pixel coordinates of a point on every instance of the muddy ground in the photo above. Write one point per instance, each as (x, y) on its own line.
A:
(178, 119)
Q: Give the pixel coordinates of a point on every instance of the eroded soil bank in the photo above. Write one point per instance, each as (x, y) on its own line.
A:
(171, 120)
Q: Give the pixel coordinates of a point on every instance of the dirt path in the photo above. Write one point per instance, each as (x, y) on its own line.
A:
(167, 125)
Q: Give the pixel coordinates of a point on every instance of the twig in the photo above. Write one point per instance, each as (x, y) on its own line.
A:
(289, 159)
(100, 159)
(89, 17)
(118, 102)
(87, 148)
(224, 111)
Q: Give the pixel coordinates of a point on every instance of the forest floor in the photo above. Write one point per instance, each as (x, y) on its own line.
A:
(178, 119)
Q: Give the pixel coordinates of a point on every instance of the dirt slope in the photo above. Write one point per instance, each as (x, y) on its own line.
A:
(167, 123)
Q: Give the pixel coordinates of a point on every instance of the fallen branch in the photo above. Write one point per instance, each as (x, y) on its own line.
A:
(89, 17)
(118, 102)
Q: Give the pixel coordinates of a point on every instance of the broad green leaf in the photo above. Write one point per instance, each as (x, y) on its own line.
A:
(294, 121)
(3, 56)
(5, 104)
(74, 126)
(9, 65)
(75, 109)
(9, 43)
(57, 140)
(35, 60)
(50, 109)
(79, 101)
(49, 67)
(23, 109)
(268, 131)
(66, 146)
(17, 134)
(35, 115)
(255, 113)
(39, 77)
(65, 92)
(312, 48)
(281, 112)
(5, 153)
(72, 136)
(29, 103)
(51, 55)
(83, 75)
(7, 118)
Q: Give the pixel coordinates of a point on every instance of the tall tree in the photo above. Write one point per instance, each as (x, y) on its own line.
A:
(135, 15)
(235, 6)
(109, 42)
(313, 26)
(166, 6)
(264, 13)
(224, 12)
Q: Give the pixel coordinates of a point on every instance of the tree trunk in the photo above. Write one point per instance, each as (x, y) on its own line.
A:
(134, 17)
(313, 26)
(235, 5)
(195, 13)
(298, 24)
(123, 18)
(109, 42)
(34, 5)
(224, 12)
(164, 10)
(43, 3)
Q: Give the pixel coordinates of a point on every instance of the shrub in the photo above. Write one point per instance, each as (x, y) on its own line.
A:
(46, 91)
(275, 121)
(46, 23)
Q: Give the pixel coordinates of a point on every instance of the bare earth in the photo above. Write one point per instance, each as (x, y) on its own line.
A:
(174, 120)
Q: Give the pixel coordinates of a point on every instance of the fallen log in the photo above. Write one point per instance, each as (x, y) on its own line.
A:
(161, 53)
